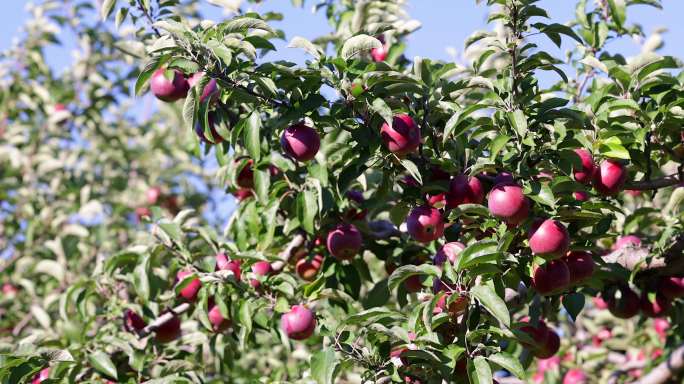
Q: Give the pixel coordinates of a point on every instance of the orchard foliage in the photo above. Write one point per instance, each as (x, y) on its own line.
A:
(516, 217)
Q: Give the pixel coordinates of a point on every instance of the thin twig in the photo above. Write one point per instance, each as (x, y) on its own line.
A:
(148, 17)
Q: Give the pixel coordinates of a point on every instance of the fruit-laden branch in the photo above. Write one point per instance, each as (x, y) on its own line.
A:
(182, 308)
(665, 370)
(663, 182)
(285, 255)
(669, 263)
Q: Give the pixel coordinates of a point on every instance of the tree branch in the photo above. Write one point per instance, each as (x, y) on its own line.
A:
(665, 370)
(142, 9)
(669, 263)
(664, 182)
(285, 255)
(180, 309)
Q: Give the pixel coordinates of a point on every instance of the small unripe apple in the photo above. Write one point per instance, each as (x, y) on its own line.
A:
(169, 331)
(344, 242)
(610, 177)
(132, 321)
(299, 323)
(508, 202)
(622, 302)
(549, 239)
(551, 278)
(671, 287)
(189, 292)
(215, 137)
(300, 142)
(464, 190)
(425, 224)
(153, 194)
(167, 89)
(307, 268)
(260, 268)
(626, 241)
(245, 178)
(403, 137)
(210, 89)
(43, 375)
(656, 308)
(224, 263)
(357, 88)
(218, 322)
(448, 251)
(580, 264)
(575, 376)
(585, 173)
(580, 195)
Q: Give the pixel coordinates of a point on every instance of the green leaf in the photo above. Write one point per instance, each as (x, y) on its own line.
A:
(190, 106)
(323, 364)
(358, 44)
(480, 252)
(457, 119)
(509, 363)
(497, 145)
(618, 10)
(518, 122)
(103, 364)
(242, 24)
(556, 28)
(479, 371)
(307, 208)
(492, 302)
(107, 8)
(412, 170)
(307, 46)
(173, 230)
(145, 74)
(252, 136)
(120, 17)
(220, 51)
(382, 109)
(141, 282)
(573, 303)
(404, 272)
(262, 181)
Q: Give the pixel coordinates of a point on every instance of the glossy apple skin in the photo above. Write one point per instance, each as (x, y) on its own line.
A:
(169, 331)
(169, 90)
(210, 89)
(301, 142)
(190, 291)
(43, 375)
(224, 263)
(307, 268)
(671, 287)
(659, 307)
(425, 224)
(552, 277)
(580, 264)
(448, 251)
(133, 322)
(344, 242)
(243, 194)
(379, 54)
(403, 137)
(299, 323)
(245, 178)
(508, 202)
(609, 177)
(464, 190)
(625, 241)
(218, 322)
(624, 303)
(549, 239)
(584, 174)
(260, 268)
(580, 196)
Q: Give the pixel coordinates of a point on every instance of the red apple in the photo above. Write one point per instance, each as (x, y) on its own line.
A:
(307, 268)
(575, 376)
(455, 309)
(153, 194)
(504, 178)
(599, 302)
(610, 177)
(425, 224)
(622, 302)
(546, 340)
(380, 54)
(133, 322)
(169, 331)
(260, 268)
(224, 263)
(166, 88)
(344, 242)
(580, 264)
(242, 194)
(299, 323)
(549, 239)
(580, 195)
(141, 212)
(464, 190)
(671, 287)
(218, 322)
(413, 284)
(189, 292)
(300, 142)
(508, 202)
(656, 308)
(585, 173)
(215, 137)
(9, 289)
(552, 277)
(403, 137)
(626, 241)
(43, 375)
(549, 348)
(448, 251)
(436, 201)
(661, 325)
(245, 178)
(601, 336)
(210, 89)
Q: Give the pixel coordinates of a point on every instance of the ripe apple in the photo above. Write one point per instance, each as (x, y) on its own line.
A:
(552, 277)
(455, 309)
(260, 268)
(210, 89)
(549, 239)
(580, 264)
(189, 292)
(601, 336)
(661, 325)
(413, 284)
(425, 224)
(610, 177)
(141, 212)
(300, 142)
(403, 137)
(380, 54)
(546, 340)
(671, 287)
(43, 375)
(599, 302)
(307, 268)
(656, 308)
(580, 195)
(299, 323)
(169, 331)
(626, 241)
(464, 190)
(153, 194)
(549, 348)
(436, 201)
(448, 251)
(215, 137)
(344, 242)
(584, 174)
(622, 302)
(245, 178)
(218, 322)
(132, 321)
(504, 178)
(166, 88)
(224, 263)
(242, 194)
(507, 201)
(9, 289)
(575, 376)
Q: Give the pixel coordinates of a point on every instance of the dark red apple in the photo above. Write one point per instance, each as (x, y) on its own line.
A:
(218, 322)
(549, 239)
(413, 284)
(245, 178)
(610, 177)
(622, 302)
(169, 85)
(344, 242)
(189, 292)
(545, 340)
(215, 137)
(260, 268)
(656, 308)
(552, 277)
(580, 264)
(224, 263)
(299, 323)
(133, 322)
(580, 195)
(549, 348)
(403, 137)
(585, 173)
(464, 190)
(242, 194)
(661, 325)
(455, 308)
(504, 178)
(448, 251)
(307, 268)
(508, 202)
(355, 195)
(671, 287)
(575, 376)
(425, 224)
(300, 142)
(210, 89)
(169, 331)
(626, 241)
(43, 375)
